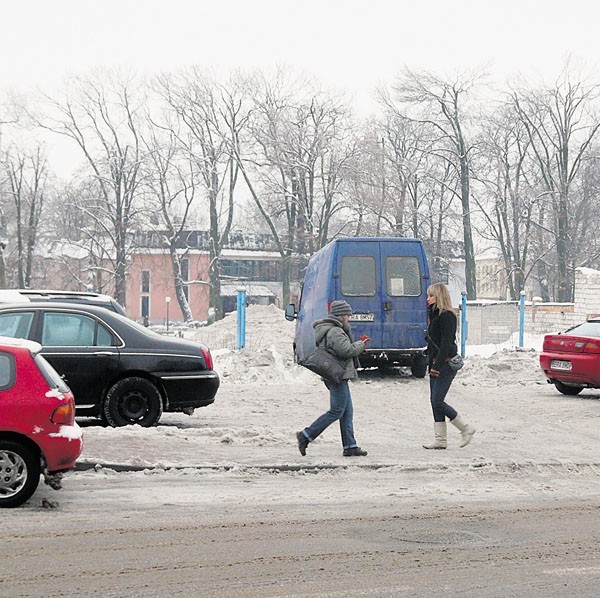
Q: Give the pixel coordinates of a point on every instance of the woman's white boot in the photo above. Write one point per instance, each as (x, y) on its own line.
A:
(441, 433)
(466, 431)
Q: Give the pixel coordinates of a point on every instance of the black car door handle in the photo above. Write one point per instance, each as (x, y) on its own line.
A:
(387, 305)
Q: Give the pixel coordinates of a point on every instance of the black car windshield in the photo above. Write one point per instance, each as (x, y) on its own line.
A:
(586, 329)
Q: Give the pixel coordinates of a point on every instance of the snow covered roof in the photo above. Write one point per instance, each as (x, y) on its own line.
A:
(252, 290)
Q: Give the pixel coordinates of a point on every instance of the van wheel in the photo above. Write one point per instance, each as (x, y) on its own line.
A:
(19, 473)
(418, 367)
(133, 401)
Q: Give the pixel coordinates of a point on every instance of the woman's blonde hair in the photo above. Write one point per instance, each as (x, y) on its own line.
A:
(441, 296)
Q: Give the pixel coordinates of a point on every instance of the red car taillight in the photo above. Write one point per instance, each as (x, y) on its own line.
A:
(64, 414)
(591, 348)
(207, 358)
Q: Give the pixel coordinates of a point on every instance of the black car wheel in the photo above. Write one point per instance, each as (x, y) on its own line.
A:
(567, 390)
(133, 401)
(19, 473)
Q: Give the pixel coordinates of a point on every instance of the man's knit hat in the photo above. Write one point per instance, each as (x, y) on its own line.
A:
(340, 308)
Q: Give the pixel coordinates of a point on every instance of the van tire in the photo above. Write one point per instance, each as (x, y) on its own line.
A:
(418, 367)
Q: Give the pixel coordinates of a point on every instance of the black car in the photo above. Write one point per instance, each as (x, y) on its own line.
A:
(117, 369)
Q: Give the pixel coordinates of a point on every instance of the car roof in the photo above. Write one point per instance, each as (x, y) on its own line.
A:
(45, 305)
(47, 295)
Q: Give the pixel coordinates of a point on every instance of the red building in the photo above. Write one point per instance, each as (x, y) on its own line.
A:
(248, 261)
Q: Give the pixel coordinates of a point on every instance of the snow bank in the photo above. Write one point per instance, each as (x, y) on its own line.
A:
(268, 354)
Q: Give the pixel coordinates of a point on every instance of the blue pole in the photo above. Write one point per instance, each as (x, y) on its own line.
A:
(464, 324)
(521, 318)
(241, 319)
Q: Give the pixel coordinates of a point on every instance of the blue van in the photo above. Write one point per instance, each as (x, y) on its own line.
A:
(385, 281)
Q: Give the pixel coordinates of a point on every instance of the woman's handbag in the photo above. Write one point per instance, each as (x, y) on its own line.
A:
(456, 362)
(325, 364)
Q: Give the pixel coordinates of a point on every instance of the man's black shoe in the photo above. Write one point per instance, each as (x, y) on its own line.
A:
(302, 443)
(355, 451)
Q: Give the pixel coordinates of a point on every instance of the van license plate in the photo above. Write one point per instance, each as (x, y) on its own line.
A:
(557, 364)
(362, 318)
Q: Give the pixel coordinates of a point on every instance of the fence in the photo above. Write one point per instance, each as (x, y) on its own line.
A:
(494, 322)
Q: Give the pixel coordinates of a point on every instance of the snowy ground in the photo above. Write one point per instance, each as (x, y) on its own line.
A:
(223, 501)
(532, 443)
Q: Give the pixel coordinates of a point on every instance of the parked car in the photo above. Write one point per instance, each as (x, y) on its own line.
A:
(571, 359)
(24, 295)
(38, 432)
(117, 369)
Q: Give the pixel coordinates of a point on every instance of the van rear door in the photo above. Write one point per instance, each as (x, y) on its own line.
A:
(359, 283)
(403, 299)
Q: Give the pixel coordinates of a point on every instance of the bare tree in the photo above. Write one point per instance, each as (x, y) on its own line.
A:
(26, 181)
(100, 113)
(440, 104)
(405, 151)
(9, 115)
(561, 127)
(215, 114)
(296, 166)
(172, 181)
(511, 202)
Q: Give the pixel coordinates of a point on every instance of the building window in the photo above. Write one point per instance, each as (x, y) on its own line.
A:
(145, 306)
(145, 281)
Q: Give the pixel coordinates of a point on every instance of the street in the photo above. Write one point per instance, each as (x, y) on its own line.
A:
(222, 503)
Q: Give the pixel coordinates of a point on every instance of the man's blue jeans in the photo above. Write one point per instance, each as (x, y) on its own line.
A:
(439, 387)
(340, 408)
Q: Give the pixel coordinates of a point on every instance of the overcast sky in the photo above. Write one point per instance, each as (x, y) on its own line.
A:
(350, 44)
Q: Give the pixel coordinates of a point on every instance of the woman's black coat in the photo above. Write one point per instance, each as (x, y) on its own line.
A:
(441, 337)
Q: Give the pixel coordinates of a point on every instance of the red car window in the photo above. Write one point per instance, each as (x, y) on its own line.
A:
(7, 371)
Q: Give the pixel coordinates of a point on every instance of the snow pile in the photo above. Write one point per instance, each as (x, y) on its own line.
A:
(268, 352)
(504, 368)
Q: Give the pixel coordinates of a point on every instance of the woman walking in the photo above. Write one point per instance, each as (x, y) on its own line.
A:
(333, 333)
(441, 346)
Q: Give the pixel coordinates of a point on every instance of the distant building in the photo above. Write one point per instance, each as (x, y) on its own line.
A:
(248, 260)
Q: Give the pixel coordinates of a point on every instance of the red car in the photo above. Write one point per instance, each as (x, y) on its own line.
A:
(571, 359)
(38, 433)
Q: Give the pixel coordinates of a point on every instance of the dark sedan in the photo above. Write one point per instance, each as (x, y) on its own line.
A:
(117, 369)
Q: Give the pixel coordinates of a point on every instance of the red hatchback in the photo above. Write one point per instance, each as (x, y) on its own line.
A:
(38, 433)
(571, 359)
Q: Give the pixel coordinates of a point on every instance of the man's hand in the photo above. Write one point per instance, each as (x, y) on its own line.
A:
(364, 338)
(434, 373)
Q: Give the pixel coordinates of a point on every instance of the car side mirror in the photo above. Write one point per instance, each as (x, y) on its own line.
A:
(290, 312)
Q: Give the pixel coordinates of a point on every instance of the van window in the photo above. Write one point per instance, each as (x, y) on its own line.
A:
(403, 276)
(358, 276)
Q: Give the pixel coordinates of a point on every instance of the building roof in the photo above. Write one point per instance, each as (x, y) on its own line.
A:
(252, 290)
